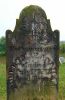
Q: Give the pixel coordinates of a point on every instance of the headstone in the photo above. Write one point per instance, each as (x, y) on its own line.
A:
(61, 60)
(32, 57)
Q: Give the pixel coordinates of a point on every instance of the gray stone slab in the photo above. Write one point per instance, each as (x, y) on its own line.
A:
(32, 57)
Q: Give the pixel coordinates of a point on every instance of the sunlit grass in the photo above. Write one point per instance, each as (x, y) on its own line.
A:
(62, 82)
(2, 82)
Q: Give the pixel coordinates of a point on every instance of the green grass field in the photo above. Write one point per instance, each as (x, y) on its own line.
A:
(3, 80)
(62, 82)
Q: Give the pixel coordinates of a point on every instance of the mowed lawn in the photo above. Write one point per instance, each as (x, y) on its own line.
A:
(3, 80)
(62, 82)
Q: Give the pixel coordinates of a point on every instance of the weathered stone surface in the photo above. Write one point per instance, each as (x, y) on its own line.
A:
(32, 53)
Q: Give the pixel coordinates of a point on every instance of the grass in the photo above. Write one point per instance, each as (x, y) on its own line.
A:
(2, 59)
(3, 80)
(62, 82)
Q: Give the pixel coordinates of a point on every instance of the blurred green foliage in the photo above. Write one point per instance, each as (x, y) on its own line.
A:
(2, 46)
(62, 47)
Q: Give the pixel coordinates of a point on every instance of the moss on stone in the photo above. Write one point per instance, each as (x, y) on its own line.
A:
(29, 10)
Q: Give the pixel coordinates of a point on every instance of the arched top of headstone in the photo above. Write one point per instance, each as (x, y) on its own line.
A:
(31, 16)
(32, 25)
(32, 9)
